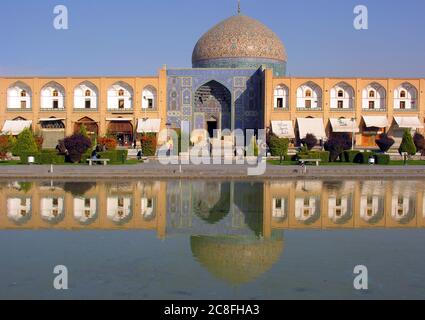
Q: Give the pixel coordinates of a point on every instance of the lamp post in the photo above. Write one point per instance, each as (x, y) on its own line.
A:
(353, 135)
(145, 107)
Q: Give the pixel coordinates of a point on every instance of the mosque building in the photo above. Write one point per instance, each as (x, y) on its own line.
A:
(238, 80)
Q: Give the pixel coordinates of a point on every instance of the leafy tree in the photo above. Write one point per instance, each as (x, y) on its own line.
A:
(6, 145)
(385, 142)
(78, 189)
(419, 141)
(25, 186)
(407, 144)
(148, 142)
(310, 141)
(278, 146)
(83, 131)
(25, 143)
(337, 144)
(76, 145)
(110, 143)
(253, 149)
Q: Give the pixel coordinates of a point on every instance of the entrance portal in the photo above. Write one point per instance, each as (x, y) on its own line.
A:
(212, 107)
(122, 131)
(211, 127)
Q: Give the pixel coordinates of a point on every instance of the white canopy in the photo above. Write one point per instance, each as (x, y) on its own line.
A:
(15, 127)
(376, 121)
(409, 122)
(311, 126)
(283, 129)
(51, 119)
(149, 125)
(119, 119)
(344, 125)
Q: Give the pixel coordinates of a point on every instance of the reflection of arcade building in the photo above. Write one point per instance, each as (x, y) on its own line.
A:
(203, 207)
(235, 228)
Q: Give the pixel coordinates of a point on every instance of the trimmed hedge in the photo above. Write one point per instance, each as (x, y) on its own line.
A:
(290, 157)
(25, 154)
(49, 158)
(85, 156)
(322, 155)
(350, 155)
(122, 156)
(382, 159)
(44, 157)
(115, 156)
(363, 157)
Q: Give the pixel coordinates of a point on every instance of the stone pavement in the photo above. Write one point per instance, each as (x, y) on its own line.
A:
(159, 171)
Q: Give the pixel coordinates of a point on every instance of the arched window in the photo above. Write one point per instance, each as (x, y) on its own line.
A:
(342, 96)
(371, 94)
(149, 98)
(120, 96)
(309, 96)
(52, 96)
(88, 93)
(281, 97)
(23, 93)
(405, 96)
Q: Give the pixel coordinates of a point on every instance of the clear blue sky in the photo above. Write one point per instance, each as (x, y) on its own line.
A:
(137, 37)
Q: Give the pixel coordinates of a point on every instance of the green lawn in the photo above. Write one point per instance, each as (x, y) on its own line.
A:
(392, 163)
(17, 162)
(9, 163)
(409, 163)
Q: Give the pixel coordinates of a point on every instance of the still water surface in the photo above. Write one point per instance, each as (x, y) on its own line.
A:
(212, 240)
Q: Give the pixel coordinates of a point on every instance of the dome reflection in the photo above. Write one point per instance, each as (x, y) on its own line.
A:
(237, 260)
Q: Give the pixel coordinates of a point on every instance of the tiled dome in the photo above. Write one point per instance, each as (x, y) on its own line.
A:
(239, 37)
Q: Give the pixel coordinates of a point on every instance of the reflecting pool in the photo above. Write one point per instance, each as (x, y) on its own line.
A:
(212, 239)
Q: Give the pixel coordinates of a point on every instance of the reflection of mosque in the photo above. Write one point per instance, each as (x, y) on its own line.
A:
(235, 227)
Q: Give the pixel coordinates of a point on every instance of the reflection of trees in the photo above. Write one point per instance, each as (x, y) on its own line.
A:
(78, 189)
(333, 185)
(25, 186)
(212, 212)
(249, 200)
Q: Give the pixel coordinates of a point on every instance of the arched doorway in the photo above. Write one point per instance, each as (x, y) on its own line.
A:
(52, 131)
(212, 107)
(92, 127)
(122, 131)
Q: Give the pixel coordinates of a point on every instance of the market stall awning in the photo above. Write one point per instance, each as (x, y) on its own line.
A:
(51, 119)
(149, 126)
(376, 121)
(283, 129)
(119, 119)
(15, 127)
(311, 126)
(344, 125)
(408, 122)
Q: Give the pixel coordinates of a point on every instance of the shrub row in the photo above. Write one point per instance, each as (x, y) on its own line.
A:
(43, 157)
(322, 155)
(85, 156)
(353, 156)
(115, 156)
